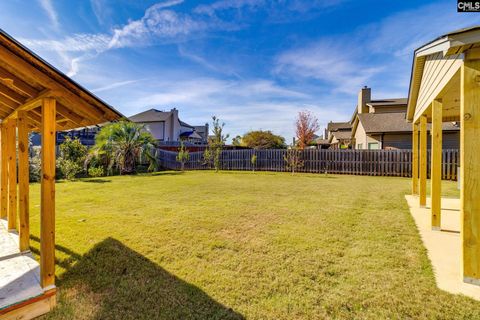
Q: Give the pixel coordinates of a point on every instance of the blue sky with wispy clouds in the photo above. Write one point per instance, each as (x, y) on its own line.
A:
(253, 63)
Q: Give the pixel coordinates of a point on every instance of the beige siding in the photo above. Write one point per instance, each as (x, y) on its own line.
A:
(360, 137)
(436, 73)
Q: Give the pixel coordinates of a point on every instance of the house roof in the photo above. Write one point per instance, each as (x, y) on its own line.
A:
(184, 124)
(320, 140)
(151, 115)
(342, 135)
(26, 79)
(190, 134)
(335, 126)
(388, 102)
(392, 122)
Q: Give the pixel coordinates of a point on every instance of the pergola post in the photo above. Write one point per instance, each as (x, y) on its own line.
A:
(423, 161)
(415, 158)
(3, 173)
(47, 206)
(23, 180)
(470, 168)
(436, 165)
(11, 141)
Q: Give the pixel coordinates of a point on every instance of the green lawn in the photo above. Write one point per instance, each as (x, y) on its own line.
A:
(235, 245)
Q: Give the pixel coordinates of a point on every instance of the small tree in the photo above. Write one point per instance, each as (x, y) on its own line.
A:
(183, 156)
(72, 157)
(305, 128)
(215, 145)
(122, 145)
(237, 141)
(293, 159)
(253, 160)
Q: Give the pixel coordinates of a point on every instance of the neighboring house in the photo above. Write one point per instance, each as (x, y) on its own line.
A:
(339, 135)
(380, 124)
(321, 143)
(86, 135)
(165, 126)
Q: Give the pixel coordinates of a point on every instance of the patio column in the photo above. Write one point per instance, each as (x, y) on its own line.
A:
(47, 205)
(11, 137)
(3, 173)
(470, 168)
(423, 160)
(23, 179)
(436, 165)
(415, 158)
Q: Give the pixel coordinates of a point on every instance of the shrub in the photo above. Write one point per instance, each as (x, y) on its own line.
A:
(72, 158)
(96, 172)
(35, 165)
(183, 156)
(122, 145)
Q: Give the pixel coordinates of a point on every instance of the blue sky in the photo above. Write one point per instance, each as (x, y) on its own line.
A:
(253, 63)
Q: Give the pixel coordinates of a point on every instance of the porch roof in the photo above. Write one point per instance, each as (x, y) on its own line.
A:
(25, 79)
(436, 72)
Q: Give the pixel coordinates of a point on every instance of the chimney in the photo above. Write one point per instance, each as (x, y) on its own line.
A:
(206, 132)
(175, 125)
(364, 97)
(325, 135)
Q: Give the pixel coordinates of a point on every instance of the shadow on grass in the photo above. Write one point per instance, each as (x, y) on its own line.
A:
(126, 285)
(167, 173)
(96, 180)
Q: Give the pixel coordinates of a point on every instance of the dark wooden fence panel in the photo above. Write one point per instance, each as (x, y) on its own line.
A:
(357, 162)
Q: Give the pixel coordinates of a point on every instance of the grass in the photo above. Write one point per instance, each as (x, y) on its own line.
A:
(237, 245)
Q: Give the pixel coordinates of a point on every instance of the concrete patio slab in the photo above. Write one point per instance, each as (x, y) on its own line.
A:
(19, 272)
(444, 247)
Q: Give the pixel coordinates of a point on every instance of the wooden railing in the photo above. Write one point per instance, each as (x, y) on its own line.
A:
(355, 162)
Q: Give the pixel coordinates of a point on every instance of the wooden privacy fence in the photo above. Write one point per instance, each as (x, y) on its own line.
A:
(356, 162)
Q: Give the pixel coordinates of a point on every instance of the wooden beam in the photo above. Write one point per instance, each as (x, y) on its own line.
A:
(18, 83)
(47, 206)
(12, 173)
(23, 180)
(11, 94)
(415, 158)
(423, 161)
(30, 104)
(9, 103)
(470, 169)
(436, 165)
(62, 94)
(4, 173)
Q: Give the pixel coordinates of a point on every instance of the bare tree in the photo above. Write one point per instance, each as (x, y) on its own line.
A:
(306, 126)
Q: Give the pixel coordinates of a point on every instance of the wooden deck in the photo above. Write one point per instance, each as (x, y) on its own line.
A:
(21, 296)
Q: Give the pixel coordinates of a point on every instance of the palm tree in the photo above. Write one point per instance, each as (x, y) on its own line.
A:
(122, 145)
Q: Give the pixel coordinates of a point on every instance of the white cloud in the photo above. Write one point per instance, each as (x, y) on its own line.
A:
(47, 6)
(335, 62)
(115, 85)
(400, 34)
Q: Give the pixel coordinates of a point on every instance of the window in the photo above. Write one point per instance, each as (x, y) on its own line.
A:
(360, 146)
(373, 146)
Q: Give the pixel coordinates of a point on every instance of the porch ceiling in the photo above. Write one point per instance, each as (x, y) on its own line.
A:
(25, 79)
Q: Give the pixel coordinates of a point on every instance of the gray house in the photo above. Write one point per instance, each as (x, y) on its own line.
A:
(166, 127)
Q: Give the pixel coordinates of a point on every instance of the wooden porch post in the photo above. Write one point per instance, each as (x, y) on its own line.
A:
(11, 138)
(4, 172)
(415, 158)
(436, 165)
(470, 168)
(23, 179)
(47, 206)
(423, 160)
